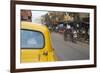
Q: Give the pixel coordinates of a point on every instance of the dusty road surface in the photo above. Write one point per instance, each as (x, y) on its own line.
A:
(66, 50)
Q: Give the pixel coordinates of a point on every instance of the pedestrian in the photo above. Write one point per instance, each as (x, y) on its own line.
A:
(74, 36)
(68, 33)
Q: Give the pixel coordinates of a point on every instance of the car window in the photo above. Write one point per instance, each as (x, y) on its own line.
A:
(31, 39)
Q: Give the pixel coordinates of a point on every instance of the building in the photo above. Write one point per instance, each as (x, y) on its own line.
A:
(26, 15)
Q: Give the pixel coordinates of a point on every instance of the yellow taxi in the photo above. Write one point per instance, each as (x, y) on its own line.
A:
(36, 43)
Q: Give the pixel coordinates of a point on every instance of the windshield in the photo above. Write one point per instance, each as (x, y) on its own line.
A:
(31, 39)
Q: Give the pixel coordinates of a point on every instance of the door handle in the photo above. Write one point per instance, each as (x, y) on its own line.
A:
(45, 53)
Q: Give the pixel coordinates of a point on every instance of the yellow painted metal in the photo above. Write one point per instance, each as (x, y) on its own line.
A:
(45, 54)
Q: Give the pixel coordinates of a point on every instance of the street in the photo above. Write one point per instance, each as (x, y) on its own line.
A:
(66, 50)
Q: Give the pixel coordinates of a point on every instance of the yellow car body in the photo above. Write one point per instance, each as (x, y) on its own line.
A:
(43, 54)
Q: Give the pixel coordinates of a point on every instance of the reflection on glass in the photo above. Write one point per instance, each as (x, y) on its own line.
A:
(31, 39)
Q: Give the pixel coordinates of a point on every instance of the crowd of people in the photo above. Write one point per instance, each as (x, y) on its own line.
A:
(73, 31)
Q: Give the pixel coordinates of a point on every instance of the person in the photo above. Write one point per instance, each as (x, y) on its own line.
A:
(68, 33)
(57, 28)
(74, 36)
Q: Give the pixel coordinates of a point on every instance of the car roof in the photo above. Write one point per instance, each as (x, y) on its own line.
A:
(33, 26)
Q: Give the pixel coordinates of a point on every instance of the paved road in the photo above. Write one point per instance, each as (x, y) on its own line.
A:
(66, 50)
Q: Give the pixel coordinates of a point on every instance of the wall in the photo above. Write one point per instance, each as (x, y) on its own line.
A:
(5, 36)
